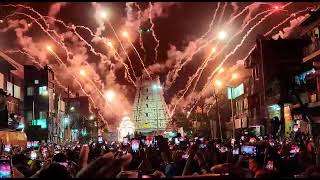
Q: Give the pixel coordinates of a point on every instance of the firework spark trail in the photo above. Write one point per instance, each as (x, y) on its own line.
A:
(179, 65)
(13, 62)
(78, 82)
(140, 34)
(26, 7)
(125, 66)
(201, 93)
(39, 64)
(124, 50)
(35, 62)
(65, 48)
(62, 45)
(189, 83)
(178, 68)
(73, 27)
(243, 39)
(139, 58)
(234, 50)
(153, 33)
(47, 33)
(222, 13)
(284, 21)
(220, 51)
(27, 54)
(212, 21)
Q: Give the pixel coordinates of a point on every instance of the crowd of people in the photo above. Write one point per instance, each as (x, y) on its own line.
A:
(159, 157)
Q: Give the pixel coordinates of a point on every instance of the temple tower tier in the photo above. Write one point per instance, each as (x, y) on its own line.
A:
(150, 112)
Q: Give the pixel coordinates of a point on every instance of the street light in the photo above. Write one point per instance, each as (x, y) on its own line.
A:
(91, 117)
(218, 84)
(72, 108)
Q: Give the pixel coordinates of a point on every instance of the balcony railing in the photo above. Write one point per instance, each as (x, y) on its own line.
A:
(311, 48)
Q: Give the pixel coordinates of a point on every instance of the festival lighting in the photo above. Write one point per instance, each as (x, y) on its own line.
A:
(125, 34)
(218, 83)
(109, 43)
(109, 95)
(234, 76)
(222, 35)
(103, 14)
(221, 70)
(82, 72)
(49, 48)
(125, 127)
(213, 50)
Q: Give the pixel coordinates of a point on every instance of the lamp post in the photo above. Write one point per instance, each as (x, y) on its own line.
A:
(218, 83)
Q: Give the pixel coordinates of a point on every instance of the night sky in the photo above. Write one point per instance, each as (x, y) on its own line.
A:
(175, 24)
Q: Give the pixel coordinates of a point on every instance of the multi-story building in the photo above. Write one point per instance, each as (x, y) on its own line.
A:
(307, 80)
(238, 93)
(39, 102)
(273, 64)
(11, 81)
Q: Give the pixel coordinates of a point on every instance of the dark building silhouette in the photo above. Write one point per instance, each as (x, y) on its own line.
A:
(39, 102)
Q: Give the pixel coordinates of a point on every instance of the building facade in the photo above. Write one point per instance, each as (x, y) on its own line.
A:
(273, 64)
(39, 102)
(11, 82)
(80, 121)
(150, 113)
(307, 80)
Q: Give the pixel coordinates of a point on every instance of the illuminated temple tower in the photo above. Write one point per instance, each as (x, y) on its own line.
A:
(150, 113)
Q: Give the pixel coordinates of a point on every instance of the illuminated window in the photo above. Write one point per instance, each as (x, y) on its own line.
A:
(42, 90)
(36, 81)
(1, 81)
(30, 91)
(10, 88)
(42, 115)
(16, 91)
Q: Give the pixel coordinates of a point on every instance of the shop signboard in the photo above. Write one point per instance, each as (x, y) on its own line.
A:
(234, 92)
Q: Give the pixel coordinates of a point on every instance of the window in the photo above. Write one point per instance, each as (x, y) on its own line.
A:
(1, 81)
(147, 90)
(43, 90)
(29, 116)
(147, 115)
(16, 91)
(42, 115)
(147, 105)
(36, 81)
(9, 88)
(147, 97)
(30, 91)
